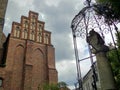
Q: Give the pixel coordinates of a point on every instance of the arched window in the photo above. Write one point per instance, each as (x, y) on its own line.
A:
(33, 22)
(33, 19)
(40, 27)
(39, 37)
(25, 24)
(24, 34)
(25, 29)
(32, 26)
(17, 32)
(46, 38)
(39, 33)
(32, 35)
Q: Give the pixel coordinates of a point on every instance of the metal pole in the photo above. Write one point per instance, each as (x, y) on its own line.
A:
(77, 63)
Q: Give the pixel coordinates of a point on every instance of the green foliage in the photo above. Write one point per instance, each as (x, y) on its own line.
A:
(50, 87)
(47, 86)
(62, 84)
(114, 3)
(114, 58)
(114, 6)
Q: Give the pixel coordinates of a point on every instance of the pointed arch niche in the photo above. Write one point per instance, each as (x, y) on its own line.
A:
(39, 69)
(18, 68)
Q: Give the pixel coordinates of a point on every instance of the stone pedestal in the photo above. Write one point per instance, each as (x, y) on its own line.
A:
(105, 73)
(99, 48)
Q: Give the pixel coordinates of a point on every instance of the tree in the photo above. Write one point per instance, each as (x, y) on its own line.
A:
(62, 84)
(59, 86)
(114, 58)
(50, 87)
(115, 4)
(110, 9)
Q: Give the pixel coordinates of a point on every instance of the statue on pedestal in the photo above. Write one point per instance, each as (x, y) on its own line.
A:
(99, 48)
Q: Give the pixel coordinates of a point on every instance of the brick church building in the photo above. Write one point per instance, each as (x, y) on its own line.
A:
(27, 59)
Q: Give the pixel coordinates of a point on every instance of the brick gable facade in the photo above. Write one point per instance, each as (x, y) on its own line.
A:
(30, 56)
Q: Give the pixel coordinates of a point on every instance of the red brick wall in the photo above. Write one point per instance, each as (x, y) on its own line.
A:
(15, 63)
(28, 65)
(53, 75)
(17, 70)
(30, 62)
(28, 77)
(39, 69)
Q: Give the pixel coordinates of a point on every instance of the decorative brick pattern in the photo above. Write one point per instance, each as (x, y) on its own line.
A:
(32, 29)
(29, 58)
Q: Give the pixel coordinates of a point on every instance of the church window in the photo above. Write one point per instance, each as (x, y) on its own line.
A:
(32, 26)
(26, 24)
(32, 35)
(33, 22)
(40, 28)
(39, 33)
(24, 34)
(33, 19)
(25, 29)
(46, 38)
(17, 32)
(39, 37)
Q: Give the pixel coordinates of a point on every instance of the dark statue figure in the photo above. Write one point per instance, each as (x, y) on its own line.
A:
(96, 41)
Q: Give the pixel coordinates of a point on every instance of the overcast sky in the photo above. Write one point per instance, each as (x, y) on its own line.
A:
(57, 15)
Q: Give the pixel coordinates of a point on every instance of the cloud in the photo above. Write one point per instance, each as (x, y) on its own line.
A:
(58, 20)
(63, 44)
(20, 3)
(67, 72)
(52, 2)
(15, 10)
(57, 15)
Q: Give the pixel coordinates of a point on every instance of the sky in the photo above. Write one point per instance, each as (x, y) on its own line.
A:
(57, 15)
